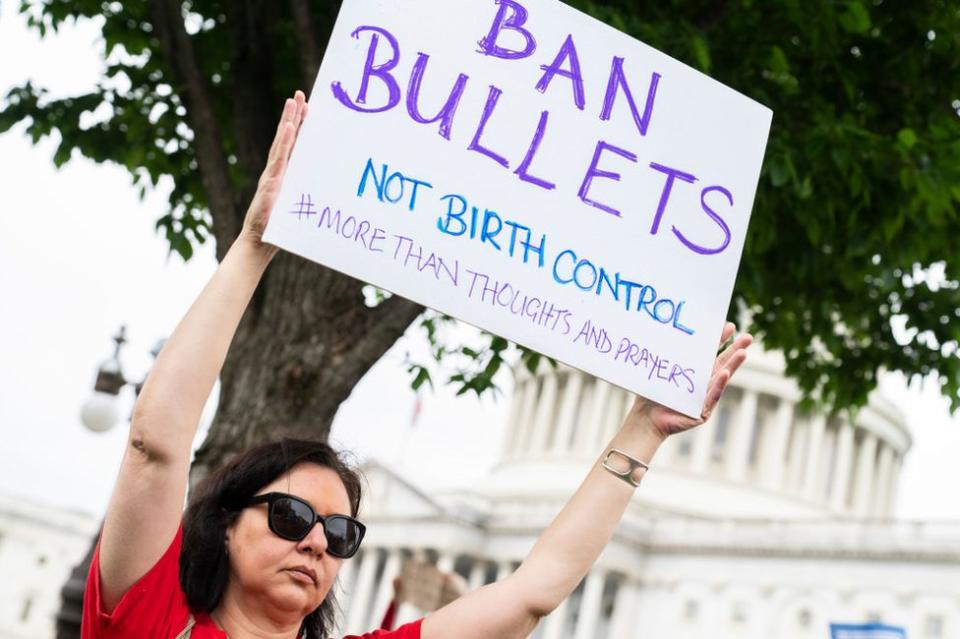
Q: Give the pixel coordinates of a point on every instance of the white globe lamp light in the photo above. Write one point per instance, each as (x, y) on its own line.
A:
(101, 412)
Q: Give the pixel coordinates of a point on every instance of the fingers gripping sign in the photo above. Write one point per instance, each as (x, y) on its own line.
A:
(670, 422)
(268, 188)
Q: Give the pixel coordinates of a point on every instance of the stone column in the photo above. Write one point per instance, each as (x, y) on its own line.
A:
(590, 605)
(582, 420)
(624, 610)
(828, 462)
(882, 482)
(595, 419)
(344, 588)
(774, 446)
(567, 417)
(894, 484)
(504, 570)
(811, 471)
(525, 425)
(513, 421)
(796, 455)
(362, 591)
(554, 627)
(841, 474)
(702, 442)
(863, 477)
(446, 562)
(545, 415)
(741, 432)
(478, 574)
(348, 572)
(612, 416)
(666, 454)
(391, 568)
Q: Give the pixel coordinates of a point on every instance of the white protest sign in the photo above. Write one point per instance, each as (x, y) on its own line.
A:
(530, 170)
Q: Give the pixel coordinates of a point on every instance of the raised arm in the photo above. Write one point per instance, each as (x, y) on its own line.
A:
(147, 502)
(567, 549)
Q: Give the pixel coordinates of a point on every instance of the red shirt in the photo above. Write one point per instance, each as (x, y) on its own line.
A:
(156, 608)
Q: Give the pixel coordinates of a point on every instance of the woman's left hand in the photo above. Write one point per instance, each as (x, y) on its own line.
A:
(268, 188)
(667, 421)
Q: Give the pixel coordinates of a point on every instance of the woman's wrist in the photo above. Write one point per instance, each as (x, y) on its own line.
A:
(640, 421)
(255, 247)
(638, 437)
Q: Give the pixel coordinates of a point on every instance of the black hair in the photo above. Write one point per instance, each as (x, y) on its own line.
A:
(216, 503)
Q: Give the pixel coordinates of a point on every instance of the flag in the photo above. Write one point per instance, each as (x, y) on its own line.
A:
(866, 631)
(417, 409)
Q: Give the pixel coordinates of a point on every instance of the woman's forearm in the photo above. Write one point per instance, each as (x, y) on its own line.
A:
(567, 549)
(571, 544)
(168, 410)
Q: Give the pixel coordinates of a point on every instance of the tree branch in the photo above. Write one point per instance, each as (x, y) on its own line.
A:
(177, 48)
(385, 324)
(307, 50)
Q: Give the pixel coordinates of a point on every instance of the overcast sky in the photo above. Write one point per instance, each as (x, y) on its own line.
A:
(79, 256)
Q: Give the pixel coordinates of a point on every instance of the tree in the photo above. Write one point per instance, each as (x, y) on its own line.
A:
(852, 233)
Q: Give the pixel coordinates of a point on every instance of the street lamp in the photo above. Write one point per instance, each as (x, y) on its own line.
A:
(101, 412)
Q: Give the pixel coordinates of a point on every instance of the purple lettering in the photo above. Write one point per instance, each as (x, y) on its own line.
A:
(658, 365)
(511, 16)
(378, 234)
(672, 175)
(487, 112)
(713, 216)
(370, 69)
(594, 171)
(568, 50)
(523, 169)
(361, 235)
(687, 372)
(619, 81)
(449, 109)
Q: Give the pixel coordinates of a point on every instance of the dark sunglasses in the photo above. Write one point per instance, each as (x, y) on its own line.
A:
(292, 518)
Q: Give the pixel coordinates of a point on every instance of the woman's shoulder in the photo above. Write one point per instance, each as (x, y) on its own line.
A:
(154, 606)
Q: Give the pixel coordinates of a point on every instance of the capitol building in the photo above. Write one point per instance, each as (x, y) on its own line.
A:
(767, 522)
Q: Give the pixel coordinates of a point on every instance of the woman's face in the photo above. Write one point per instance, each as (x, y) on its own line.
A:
(267, 571)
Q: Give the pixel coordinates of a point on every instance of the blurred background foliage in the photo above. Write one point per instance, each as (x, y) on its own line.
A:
(852, 261)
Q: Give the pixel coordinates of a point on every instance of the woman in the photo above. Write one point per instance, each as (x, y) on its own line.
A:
(263, 539)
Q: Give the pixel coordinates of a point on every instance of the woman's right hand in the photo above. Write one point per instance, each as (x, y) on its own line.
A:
(268, 188)
(666, 421)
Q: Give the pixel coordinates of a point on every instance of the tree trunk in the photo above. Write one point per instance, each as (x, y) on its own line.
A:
(308, 336)
(71, 597)
(303, 345)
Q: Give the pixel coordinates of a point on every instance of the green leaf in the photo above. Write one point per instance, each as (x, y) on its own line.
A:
(778, 60)
(532, 362)
(779, 171)
(856, 19)
(422, 377)
(907, 138)
(700, 52)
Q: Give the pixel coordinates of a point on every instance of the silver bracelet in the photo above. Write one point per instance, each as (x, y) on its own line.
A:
(627, 475)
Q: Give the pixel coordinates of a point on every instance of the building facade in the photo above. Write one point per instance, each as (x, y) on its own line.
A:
(766, 522)
(39, 545)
